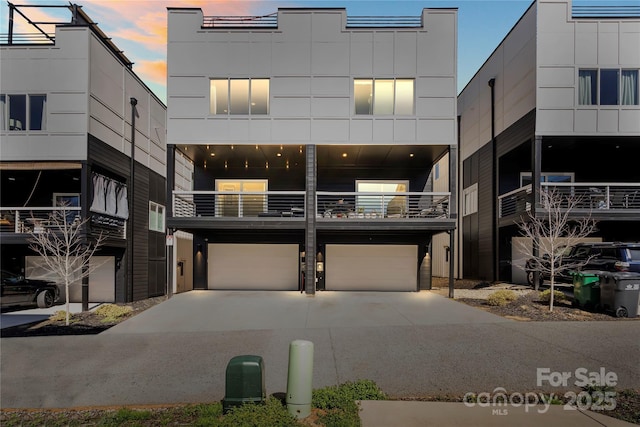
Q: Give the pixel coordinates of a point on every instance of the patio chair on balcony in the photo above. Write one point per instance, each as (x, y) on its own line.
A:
(631, 200)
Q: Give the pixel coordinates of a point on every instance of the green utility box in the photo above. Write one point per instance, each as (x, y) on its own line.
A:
(244, 382)
(586, 288)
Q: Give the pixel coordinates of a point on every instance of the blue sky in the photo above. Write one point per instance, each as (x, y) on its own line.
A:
(138, 27)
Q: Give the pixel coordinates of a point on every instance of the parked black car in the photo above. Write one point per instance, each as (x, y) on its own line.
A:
(603, 256)
(20, 291)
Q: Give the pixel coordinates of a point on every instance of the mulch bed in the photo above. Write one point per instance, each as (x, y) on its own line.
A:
(85, 323)
(530, 308)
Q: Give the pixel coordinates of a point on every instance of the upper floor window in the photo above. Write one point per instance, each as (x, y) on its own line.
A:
(23, 112)
(470, 200)
(383, 96)
(239, 96)
(608, 86)
(156, 217)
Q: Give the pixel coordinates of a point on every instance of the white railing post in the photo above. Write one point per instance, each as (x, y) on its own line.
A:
(17, 226)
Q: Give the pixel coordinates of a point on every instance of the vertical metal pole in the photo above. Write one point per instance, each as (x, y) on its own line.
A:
(11, 7)
(494, 182)
(536, 171)
(452, 244)
(84, 213)
(310, 214)
(130, 239)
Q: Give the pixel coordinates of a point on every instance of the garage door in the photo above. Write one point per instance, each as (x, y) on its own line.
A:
(253, 266)
(371, 267)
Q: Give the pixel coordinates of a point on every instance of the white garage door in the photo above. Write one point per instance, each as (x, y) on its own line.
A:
(371, 267)
(253, 266)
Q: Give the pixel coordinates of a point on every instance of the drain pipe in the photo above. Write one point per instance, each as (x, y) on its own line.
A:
(494, 180)
(134, 113)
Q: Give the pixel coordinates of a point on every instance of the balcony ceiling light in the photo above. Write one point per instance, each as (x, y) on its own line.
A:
(344, 155)
(213, 154)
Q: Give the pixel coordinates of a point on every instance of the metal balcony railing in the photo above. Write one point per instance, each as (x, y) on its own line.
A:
(32, 219)
(392, 205)
(614, 197)
(232, 204)
(516, 201)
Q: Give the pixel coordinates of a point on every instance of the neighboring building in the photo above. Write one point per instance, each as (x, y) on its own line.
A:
(68, 97)
(556, 106)
(308, 133)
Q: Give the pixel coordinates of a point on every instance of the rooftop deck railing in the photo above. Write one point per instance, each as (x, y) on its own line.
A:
(591, 196)
(271, 21)
(608, 11)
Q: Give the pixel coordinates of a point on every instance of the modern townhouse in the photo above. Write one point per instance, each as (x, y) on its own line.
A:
(71, 108)
(302, 148)
(555, 106)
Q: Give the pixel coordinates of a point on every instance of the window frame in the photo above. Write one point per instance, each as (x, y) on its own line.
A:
(599, 71)
(470, 200)
(160, 212)
(250, 99)
(394, 93)
(27, 113)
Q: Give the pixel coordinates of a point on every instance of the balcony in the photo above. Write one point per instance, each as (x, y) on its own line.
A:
(272, 209)
(602, 200)
(27, 220)
(32, 219)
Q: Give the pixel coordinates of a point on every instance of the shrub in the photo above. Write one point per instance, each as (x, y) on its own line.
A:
(545, 296)
(113, 312)
(60, 316)
(502, 297)
(339, 402)
(270, 414)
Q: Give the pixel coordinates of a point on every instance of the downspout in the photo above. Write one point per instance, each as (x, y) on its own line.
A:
(460, 185)
(494, 180)
(134, 102)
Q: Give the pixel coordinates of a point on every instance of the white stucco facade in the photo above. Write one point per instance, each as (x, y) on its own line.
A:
(311, 59)
(88, 91)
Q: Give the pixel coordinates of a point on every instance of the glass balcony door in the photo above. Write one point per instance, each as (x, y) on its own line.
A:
(237, 205)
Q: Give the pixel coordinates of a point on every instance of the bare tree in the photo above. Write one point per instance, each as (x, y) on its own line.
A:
(553, 232)
(63, 248)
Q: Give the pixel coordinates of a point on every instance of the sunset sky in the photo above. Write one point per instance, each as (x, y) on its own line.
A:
(139, 27)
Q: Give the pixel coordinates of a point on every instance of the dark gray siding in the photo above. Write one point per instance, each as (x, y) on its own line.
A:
(149, 265)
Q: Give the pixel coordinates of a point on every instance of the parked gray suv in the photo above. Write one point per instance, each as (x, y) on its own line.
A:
(604, 256)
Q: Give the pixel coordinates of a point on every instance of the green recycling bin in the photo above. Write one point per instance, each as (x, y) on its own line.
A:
(586, 289)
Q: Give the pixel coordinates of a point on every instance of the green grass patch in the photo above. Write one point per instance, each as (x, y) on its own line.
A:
(338, 403)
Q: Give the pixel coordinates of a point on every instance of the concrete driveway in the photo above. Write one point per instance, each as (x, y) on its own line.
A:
(201, 311)
(411, 344)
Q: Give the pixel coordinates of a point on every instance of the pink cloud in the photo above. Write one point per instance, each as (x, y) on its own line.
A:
(153, 71)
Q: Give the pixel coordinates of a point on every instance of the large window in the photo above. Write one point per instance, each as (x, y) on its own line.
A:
(470, 200)
(235, 204)
(239, 96)
(608, 86)
(383, 96)
(388, 204)
(156, 217)
(23, 112)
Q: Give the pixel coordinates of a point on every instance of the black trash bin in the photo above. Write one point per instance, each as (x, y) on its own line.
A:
(620, 293)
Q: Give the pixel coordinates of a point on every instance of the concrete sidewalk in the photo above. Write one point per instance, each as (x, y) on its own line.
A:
(442, 414)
